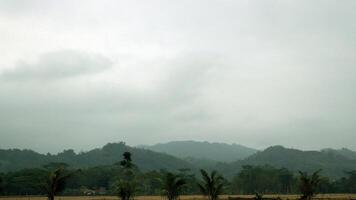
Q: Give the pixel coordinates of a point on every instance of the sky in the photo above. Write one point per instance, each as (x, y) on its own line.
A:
(80, 74)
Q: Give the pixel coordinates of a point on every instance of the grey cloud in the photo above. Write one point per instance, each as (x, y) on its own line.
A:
(80, 112)
(284, 74)
(18, 8)
(57, 65)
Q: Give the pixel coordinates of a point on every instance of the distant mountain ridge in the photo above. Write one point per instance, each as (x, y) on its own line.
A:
(343, 152)
(191, 150)
(332, 164)
(15, 159)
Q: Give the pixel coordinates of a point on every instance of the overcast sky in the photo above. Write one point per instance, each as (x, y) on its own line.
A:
(79, 74)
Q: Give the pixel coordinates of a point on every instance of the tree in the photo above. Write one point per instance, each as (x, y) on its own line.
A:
(212, 185)
(126, 185)
(172, 185)
(285, 178)
(258, 196)
(350, 185)
(309, 184)
(127, 161)
(191, 186)
(125, 189)
(1, 184)
(262, 179)
(150, 183)
(52, 166)
(55, 182)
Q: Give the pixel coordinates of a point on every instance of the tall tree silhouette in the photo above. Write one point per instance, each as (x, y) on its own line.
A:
(55, 182)
(212, 185)
(126, 185)
(1, 185)
(309, 184)
(172, 185)
(127, 161)
(285, 177)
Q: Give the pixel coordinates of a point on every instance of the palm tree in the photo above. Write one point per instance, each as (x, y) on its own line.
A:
(126, 185)
(172, 185)
(309, 184)
(212, 186)
(55, 182)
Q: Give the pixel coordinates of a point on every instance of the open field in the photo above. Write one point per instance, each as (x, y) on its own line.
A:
(188, 197)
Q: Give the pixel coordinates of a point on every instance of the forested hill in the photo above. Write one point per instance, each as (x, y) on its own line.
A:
(343, 152)
(200, 151)
(333, 164)
(15, 159)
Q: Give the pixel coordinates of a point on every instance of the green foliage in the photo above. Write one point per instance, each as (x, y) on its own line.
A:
(346, 184)
(126, 185)
(125, 189)
(266, 179)
(146, 160)
(55, 182)
(150, 183)
(23, 182)
(351, 181)
(309, 184)
(127, 180)
(333, 165)
(127, 161)
(55, 165)
(191, 186)
(1, 184)
(172, 186)
(212, 185)
(286, 180)
(26, 182)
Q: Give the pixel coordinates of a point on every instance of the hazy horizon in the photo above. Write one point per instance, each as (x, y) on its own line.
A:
(80, 74)
(76, 150)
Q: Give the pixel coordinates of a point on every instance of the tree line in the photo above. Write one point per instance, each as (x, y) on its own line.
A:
(126, 180)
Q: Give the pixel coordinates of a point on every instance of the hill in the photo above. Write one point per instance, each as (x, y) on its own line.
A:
(333, 165)
(15, 159)
(333, 162)
(197, 151)
(343, 152)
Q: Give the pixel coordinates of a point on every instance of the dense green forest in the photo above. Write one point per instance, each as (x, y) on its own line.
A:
(274, 170)
(15, 159)
(103, 180)
(333, 162)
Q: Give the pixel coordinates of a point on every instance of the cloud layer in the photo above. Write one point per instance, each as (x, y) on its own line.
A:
(58, 65)
(78, 75)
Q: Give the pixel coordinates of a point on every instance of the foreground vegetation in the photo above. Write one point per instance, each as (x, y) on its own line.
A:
(126, 181)
(333, 162)
(189, 197)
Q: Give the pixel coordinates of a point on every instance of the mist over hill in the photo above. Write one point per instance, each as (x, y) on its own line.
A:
(343, 152)
(203, 151)
(111, 153)
(334, 163)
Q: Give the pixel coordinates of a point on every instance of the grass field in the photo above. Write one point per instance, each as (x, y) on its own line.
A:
(190, 197)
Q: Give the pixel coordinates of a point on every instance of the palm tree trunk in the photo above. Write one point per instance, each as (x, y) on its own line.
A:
(51, 197)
